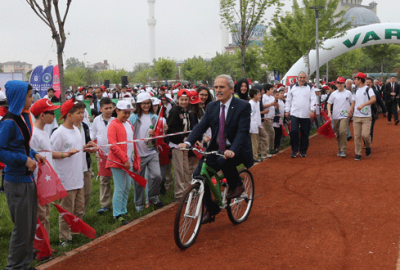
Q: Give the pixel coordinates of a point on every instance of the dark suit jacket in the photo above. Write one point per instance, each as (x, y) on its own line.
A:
(237, 129)
(388, 90)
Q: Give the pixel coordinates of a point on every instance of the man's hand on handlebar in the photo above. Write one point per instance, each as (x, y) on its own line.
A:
(229, 154)
(183, 145)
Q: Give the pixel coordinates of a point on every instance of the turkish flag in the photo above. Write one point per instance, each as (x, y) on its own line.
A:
(75, 223)
(198, 155)
(326, 130)
(41, 241)
(162, 147)
(48, 185)
(284, 132)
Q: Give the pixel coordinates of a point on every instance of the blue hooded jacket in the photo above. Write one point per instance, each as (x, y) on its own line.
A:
(12, 150)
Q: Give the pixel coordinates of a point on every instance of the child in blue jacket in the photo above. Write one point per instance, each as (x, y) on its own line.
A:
(19, 184)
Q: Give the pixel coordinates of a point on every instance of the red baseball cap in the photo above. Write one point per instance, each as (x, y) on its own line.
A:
(43, 105)
(88, 95)
(67, 106)
(183, 91)
(194, 97)
(361, 75)
(341, 80)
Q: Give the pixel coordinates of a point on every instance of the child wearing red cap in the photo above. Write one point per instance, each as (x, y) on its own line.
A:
(178, 121)
(340, 115)
(43, 112)
(70, 168)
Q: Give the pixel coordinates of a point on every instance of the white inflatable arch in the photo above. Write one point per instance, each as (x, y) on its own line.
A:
(373, 34)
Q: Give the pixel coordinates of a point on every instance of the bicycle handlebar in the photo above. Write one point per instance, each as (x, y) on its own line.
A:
(217, 153)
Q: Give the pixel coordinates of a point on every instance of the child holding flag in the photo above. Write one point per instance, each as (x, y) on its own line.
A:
(99, 133)
(144, 121)
(43, 111)
(67, 138)
(121, 155)
(19, 184)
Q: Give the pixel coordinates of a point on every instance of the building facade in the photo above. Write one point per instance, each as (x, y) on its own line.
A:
(16, 66)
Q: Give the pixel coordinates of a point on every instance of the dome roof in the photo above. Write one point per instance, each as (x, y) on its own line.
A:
(359, 16)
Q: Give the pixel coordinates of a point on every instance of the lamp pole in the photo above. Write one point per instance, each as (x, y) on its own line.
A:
(84, 58)
(317, 9)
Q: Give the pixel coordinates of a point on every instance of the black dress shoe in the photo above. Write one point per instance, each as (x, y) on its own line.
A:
(396, 122)
(235, 193)
(207, 218)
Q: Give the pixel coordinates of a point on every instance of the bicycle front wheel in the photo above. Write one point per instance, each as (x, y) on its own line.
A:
(188, 217)
(239, 208)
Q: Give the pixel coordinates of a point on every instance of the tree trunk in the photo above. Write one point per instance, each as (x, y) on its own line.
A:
(61, 75)
(382, 70)
(243, 52)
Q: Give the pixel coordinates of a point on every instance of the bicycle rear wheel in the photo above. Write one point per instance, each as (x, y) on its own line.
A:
(239, 208)
(187, 221)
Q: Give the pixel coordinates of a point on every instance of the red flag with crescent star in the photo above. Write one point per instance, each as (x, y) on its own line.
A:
(75, 223)
(41, 241)
(48, 185)
(162, 147)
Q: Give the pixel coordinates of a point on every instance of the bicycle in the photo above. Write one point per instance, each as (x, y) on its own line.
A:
(190, 210)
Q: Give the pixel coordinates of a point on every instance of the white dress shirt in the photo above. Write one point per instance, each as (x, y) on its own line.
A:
(300, 100)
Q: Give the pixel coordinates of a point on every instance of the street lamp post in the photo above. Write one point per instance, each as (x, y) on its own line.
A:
(317, 9)
(84, 59)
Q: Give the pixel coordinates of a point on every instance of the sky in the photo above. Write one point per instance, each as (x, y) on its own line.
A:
(117, 30)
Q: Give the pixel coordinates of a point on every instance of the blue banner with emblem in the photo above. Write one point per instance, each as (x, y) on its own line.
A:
(47, 80)
(36, 78)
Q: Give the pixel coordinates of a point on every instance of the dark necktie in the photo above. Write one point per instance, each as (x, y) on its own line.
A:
(221, 134)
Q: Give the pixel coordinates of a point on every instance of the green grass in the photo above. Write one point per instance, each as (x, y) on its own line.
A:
(101, 223)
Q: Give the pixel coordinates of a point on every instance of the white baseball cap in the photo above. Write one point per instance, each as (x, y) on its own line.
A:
(142, 97)
(155, 101)
(124, 105)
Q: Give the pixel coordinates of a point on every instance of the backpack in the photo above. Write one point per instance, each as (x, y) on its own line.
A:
(374, 108)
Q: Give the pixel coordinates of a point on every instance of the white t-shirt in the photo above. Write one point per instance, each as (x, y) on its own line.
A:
(86, 119)
(361, 97)
(99, 132)
(105, 94)
(341, 103)
(142, 148)
(281, 112)
(82, 131)
(266, 100)
(130, 150)
(255, 116)
(40, 141)
(49, 127)
(69, 169)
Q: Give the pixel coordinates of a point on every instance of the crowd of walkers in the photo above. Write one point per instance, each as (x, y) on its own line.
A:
(31, 133)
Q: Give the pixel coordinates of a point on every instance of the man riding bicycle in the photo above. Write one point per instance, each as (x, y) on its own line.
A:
(229, 120)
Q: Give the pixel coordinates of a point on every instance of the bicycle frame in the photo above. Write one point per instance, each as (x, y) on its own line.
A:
(205, 170)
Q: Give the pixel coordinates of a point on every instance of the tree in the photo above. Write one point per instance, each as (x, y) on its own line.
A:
(144, 77)
(194, 69)
(75, 76)
(242, 21)
(113, 75)
(252, 61)
(58, 34)
(222, 63)
(165, 68)
(383, 54)
(73, 62)
(293, 34)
